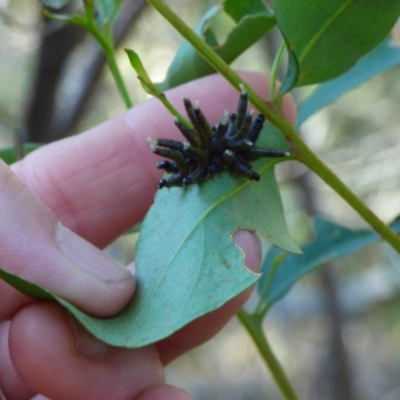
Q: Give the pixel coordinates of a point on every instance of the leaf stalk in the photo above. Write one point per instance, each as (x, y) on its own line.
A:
(104, 39)
(253, 325)
(107, 45)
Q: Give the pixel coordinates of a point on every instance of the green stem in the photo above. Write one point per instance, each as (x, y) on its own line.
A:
(104, 39)
(253, 325)
(309, 159)
(268, 109)
(106, 43)
(275, 115)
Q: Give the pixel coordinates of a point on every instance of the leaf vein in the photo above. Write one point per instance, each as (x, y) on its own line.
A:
(318, 35)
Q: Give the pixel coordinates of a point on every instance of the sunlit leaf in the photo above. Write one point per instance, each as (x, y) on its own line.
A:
(331, 242)
(329, 37)
(252, 23)
(383, 57)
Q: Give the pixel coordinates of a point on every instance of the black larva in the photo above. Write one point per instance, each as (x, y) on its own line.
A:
(209, 150)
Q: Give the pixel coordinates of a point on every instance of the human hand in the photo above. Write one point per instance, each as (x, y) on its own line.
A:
(90, 188)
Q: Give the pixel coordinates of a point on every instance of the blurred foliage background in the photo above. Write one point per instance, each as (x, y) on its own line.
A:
(337, 333)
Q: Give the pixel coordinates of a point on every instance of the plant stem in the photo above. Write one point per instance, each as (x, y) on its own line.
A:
(309, 159)
(253, 325)
(275, 115)
(104, 39)
(106, 43)
(112, 64)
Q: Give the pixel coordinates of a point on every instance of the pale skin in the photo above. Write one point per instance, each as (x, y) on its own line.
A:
(97, 184)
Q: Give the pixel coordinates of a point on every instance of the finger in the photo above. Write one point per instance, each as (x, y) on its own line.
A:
(204, 328)
(60, 360)
(164, 392)
(35, 246)
(107, 176)
(11, 383)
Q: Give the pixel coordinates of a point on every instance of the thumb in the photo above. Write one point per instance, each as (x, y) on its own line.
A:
(37, 247)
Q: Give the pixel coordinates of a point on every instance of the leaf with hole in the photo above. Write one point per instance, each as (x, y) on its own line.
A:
(187, 263)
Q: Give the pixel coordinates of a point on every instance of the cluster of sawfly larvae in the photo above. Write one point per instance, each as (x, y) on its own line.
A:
(228, 146)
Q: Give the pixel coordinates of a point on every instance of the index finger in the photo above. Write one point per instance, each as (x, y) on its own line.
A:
(102, 182)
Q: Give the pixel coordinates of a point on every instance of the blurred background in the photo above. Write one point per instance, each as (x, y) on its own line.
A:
(337, 333)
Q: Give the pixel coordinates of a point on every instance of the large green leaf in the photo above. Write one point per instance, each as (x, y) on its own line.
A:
(328, 37)
(187, 263)
(331, 242)
(253, 21)
(383, 57)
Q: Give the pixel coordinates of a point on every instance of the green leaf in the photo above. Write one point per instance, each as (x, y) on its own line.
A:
(187, 263)
(292, 74)
(25, 287)
(151, 88)
(9, 155)
(237, 9)
(97, 12)
(250, 27)
(55, 4)
(329, 37)
(75, 19)
(383, 57)
(331, 242)
(143, 76)
(107, 10)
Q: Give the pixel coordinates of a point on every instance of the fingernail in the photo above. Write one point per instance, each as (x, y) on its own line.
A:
(85, 343)
(89, 257)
